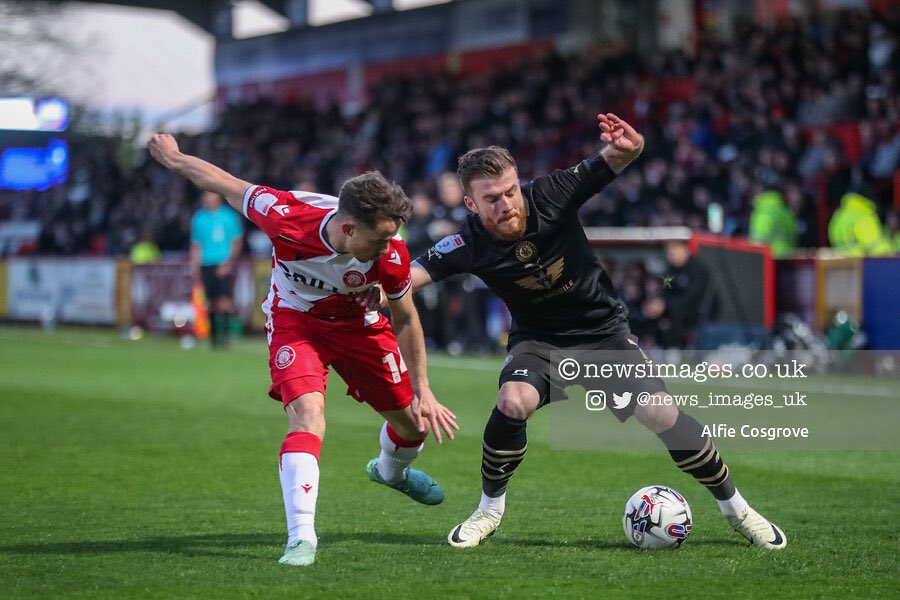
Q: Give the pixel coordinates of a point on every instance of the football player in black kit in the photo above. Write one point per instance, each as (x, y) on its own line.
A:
(527, 245)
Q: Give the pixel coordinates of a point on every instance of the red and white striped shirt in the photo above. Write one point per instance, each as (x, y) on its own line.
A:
(310, 276)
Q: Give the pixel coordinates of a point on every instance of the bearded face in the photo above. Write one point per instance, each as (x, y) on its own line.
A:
(499, 204)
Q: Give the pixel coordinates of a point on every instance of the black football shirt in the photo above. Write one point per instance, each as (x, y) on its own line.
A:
(550, 279)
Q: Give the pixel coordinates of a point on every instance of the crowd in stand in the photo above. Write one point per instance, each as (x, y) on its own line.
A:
(723, 124)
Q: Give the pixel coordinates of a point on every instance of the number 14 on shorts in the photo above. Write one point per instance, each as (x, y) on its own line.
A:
(391, 361)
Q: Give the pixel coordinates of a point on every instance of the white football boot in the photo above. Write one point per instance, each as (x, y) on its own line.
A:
(760, 531)
(472, 531)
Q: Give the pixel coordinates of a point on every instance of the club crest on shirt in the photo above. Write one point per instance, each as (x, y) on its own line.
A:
(284, 357)
(525, 251)
(354, 279)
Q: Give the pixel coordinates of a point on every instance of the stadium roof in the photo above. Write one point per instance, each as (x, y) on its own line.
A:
(205, 13)
(201, 13)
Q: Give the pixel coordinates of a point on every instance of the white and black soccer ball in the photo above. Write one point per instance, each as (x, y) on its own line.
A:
(657, 517)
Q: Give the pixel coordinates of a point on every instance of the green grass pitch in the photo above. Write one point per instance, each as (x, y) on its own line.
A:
(137, 469)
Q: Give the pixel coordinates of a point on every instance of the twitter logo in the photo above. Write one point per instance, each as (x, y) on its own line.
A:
(622, 401)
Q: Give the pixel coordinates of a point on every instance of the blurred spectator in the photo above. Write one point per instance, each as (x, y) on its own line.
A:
(856, 230)
(145, 252)
(450, 212)
(259, 244)
(772, 223)
(892, 224)
(630, 283)
(684, 291)
(886, 155)
(804, 211)
(417, 234)
(461, 311)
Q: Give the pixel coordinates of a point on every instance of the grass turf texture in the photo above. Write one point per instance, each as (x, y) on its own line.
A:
(138, 469)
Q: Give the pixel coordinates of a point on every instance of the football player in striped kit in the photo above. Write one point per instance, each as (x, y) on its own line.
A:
(326, 251)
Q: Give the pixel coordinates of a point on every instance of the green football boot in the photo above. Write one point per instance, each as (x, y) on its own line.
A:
(299, 554)
(417, 485)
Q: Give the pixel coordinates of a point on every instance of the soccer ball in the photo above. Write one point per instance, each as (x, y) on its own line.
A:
(657, 517)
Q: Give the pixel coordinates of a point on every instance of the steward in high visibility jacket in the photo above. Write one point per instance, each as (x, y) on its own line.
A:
(856, 230)
(773, 223)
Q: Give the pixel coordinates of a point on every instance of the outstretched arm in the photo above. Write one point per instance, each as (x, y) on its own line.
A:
(204, 175)
(568, 189)
(623, 143)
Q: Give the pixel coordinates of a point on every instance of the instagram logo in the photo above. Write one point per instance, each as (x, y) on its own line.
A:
(595, 400)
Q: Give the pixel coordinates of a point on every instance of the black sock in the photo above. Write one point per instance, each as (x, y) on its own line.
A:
(224, 328)
(215, 328)
(697, 456)
(505, 443)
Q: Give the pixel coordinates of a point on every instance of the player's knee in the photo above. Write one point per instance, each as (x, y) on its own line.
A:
(517, 402)
(657, 416)
(306, 413)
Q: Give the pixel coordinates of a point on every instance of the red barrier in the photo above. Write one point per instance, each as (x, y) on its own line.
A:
(767, 293)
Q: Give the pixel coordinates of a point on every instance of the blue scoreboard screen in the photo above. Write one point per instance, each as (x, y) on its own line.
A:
(34, 154)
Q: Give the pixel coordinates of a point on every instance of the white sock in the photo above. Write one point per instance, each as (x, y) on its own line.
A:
(394, 459)
(493, 506)
(299, 475)
(733, 506)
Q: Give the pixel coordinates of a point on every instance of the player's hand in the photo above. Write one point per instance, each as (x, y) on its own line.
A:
(164, 149)
(372, 299)
(623, 143)
(426, 409)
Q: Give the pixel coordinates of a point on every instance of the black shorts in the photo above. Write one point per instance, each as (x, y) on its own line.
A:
(215, 286)
(537, 363)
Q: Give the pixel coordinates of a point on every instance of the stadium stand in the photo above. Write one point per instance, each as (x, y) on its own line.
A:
(808, 108)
